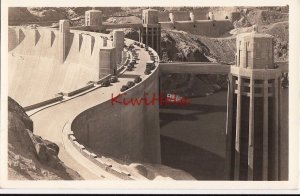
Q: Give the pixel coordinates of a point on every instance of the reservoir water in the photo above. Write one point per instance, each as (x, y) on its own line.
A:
(193, 136)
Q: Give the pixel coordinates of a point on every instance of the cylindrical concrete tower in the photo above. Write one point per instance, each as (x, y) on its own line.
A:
(150, 33)
(93, 18)
(150, 16)
(253, 110)
(64, 31)
(118, 43)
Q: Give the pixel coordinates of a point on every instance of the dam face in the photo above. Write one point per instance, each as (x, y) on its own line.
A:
(123, 131)
(35, 70)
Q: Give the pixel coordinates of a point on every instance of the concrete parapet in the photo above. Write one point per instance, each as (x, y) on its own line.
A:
(86, 153)
(43, 103)
(93, 155)
(80, 90)
(81, 147)
(102, 163)
(76, 145)
(107, 25)
(80, 28)
(72, 137)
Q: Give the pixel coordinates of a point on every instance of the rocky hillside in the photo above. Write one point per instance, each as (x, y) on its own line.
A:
(181, 46)
(21, 15)
(31, 157)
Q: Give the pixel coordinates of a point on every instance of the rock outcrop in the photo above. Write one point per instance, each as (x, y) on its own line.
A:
(29, 155)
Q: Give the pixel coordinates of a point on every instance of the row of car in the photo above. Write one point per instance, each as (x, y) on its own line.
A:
(130, 84)
(150, 65)
(130, 66)
(112, 79)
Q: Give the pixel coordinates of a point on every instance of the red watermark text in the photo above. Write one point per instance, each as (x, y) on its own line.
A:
(148, 100)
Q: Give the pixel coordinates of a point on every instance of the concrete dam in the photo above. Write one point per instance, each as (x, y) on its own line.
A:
(60, 76)
(38, 72)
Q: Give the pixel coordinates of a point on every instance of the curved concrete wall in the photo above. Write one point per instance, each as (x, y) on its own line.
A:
(35, 74)
(123, 131)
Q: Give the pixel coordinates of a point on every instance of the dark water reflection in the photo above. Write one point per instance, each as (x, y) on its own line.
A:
(193, 136)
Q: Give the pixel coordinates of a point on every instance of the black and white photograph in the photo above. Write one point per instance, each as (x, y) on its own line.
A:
(164, 94)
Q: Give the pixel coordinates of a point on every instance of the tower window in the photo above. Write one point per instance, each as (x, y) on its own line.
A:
(226, 17)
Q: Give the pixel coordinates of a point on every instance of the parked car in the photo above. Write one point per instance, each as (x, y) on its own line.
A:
(130, 84)
(113, 79)
(124, 88)
(150, 65)
(147, 71)
(137, 79)
(105, 83)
